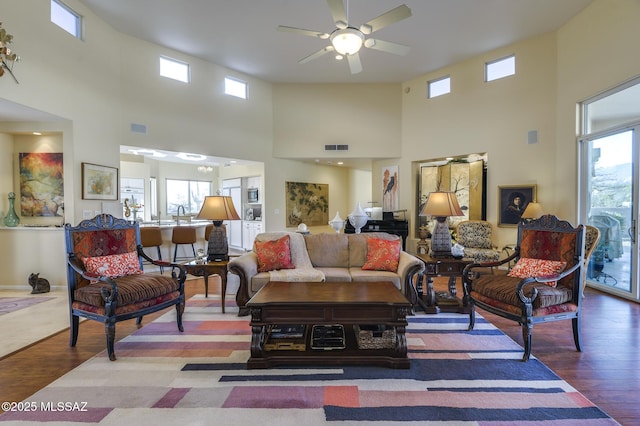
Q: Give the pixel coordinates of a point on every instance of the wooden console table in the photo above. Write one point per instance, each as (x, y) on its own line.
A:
(210, 268)
(435, 302)
(329, 303)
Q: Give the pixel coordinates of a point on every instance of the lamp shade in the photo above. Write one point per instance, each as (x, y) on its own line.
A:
(347, 41)
(441, 204)
(218, 208)
(533, 211)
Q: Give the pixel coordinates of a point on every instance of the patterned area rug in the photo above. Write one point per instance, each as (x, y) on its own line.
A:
(199, 377)
(11, 304)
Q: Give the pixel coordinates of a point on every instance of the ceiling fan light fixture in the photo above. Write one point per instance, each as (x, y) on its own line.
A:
(347, 41)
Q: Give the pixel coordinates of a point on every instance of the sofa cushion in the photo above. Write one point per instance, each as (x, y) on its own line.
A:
(335, 275)
(382, 255)
(299, 256)
(274, 254)
(331, 250)
(358, 246)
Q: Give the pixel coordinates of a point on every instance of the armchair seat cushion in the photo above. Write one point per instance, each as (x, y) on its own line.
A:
(482, 255)
(131, 289)
(499, 291)
(127, 309)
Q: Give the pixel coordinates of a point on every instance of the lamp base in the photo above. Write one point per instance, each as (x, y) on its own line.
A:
(441, 239)
(217, 257)
(218, 248)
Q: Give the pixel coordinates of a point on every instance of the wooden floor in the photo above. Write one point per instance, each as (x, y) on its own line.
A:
(607, 371)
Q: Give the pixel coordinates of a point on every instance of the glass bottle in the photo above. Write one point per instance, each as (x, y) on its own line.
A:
(11, 219)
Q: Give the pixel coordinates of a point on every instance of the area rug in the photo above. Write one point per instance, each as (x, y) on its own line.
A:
(31, 318)
(163, 376)
(10, 304)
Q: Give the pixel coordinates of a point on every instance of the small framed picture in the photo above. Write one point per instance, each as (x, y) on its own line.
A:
(512, 200)
(99, 182)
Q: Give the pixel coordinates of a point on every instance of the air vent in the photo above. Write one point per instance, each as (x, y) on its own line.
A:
(336, 147)
(138, 128)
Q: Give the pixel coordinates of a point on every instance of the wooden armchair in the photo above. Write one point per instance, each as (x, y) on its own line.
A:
(105, 279)
(545, 285)
(475, 237)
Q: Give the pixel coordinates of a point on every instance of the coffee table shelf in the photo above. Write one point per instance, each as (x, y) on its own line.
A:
(326, 304)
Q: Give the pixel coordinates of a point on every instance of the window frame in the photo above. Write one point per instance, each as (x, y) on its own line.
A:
(175, 62)
(235, 81)
(70, 13)
(191, 206)
(433, 82)
(487, 65)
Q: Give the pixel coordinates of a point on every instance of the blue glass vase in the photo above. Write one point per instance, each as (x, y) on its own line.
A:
(11, 219)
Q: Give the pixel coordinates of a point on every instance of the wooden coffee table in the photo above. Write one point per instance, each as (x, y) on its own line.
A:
(347, 304)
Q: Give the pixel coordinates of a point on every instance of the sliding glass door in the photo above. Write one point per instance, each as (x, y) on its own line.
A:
(609, 189)
(611, 207)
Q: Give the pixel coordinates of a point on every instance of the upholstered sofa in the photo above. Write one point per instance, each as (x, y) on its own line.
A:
(329, 257)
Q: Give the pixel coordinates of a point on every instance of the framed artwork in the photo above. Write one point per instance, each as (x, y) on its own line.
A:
(307, 203)
(99, 182)
(41, 184)
(465, 179)
(390, 188)
(512, 200)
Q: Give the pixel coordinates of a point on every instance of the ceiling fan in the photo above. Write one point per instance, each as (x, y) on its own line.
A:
(347, 40)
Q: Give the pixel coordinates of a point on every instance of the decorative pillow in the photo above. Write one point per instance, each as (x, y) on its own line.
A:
(114, 265)
(274, 254)
(527, 267)
(382, 255)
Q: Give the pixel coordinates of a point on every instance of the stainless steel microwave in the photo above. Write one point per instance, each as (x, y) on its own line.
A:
(252, 195)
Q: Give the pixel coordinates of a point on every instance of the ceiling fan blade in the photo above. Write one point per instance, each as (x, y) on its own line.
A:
(338, 13)
(387, 46)
(354, 63)
(310, 33)
(394, 15)
(315, 55)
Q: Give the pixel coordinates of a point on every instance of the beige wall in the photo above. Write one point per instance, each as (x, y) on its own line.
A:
(309, 116)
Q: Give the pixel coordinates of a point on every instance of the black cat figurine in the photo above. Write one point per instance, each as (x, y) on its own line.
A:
(39, 285)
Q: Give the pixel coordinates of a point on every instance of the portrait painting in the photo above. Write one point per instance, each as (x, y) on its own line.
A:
(41, 184)
(307, 203)
(513, 200)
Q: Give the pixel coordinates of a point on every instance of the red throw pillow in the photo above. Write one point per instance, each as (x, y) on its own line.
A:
(382, 255)
(115, 265)
(527, 267)
(274, 254)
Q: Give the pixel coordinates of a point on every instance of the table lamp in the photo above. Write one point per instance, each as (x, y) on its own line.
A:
(218, 208)
(533, 211)
(441, 205)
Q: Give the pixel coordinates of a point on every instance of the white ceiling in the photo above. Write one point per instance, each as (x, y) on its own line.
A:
(241, 34)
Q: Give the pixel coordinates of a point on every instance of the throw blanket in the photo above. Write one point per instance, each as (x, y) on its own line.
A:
(304, 270)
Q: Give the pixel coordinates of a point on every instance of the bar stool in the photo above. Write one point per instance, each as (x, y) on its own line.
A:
(183, 235)
(151, 236)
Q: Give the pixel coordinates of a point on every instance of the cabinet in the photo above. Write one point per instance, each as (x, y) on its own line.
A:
(250, 229)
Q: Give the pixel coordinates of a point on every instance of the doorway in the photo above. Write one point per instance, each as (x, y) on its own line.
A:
(609, 159)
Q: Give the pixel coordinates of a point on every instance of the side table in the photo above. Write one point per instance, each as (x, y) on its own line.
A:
(433, 302)
(209, 268)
